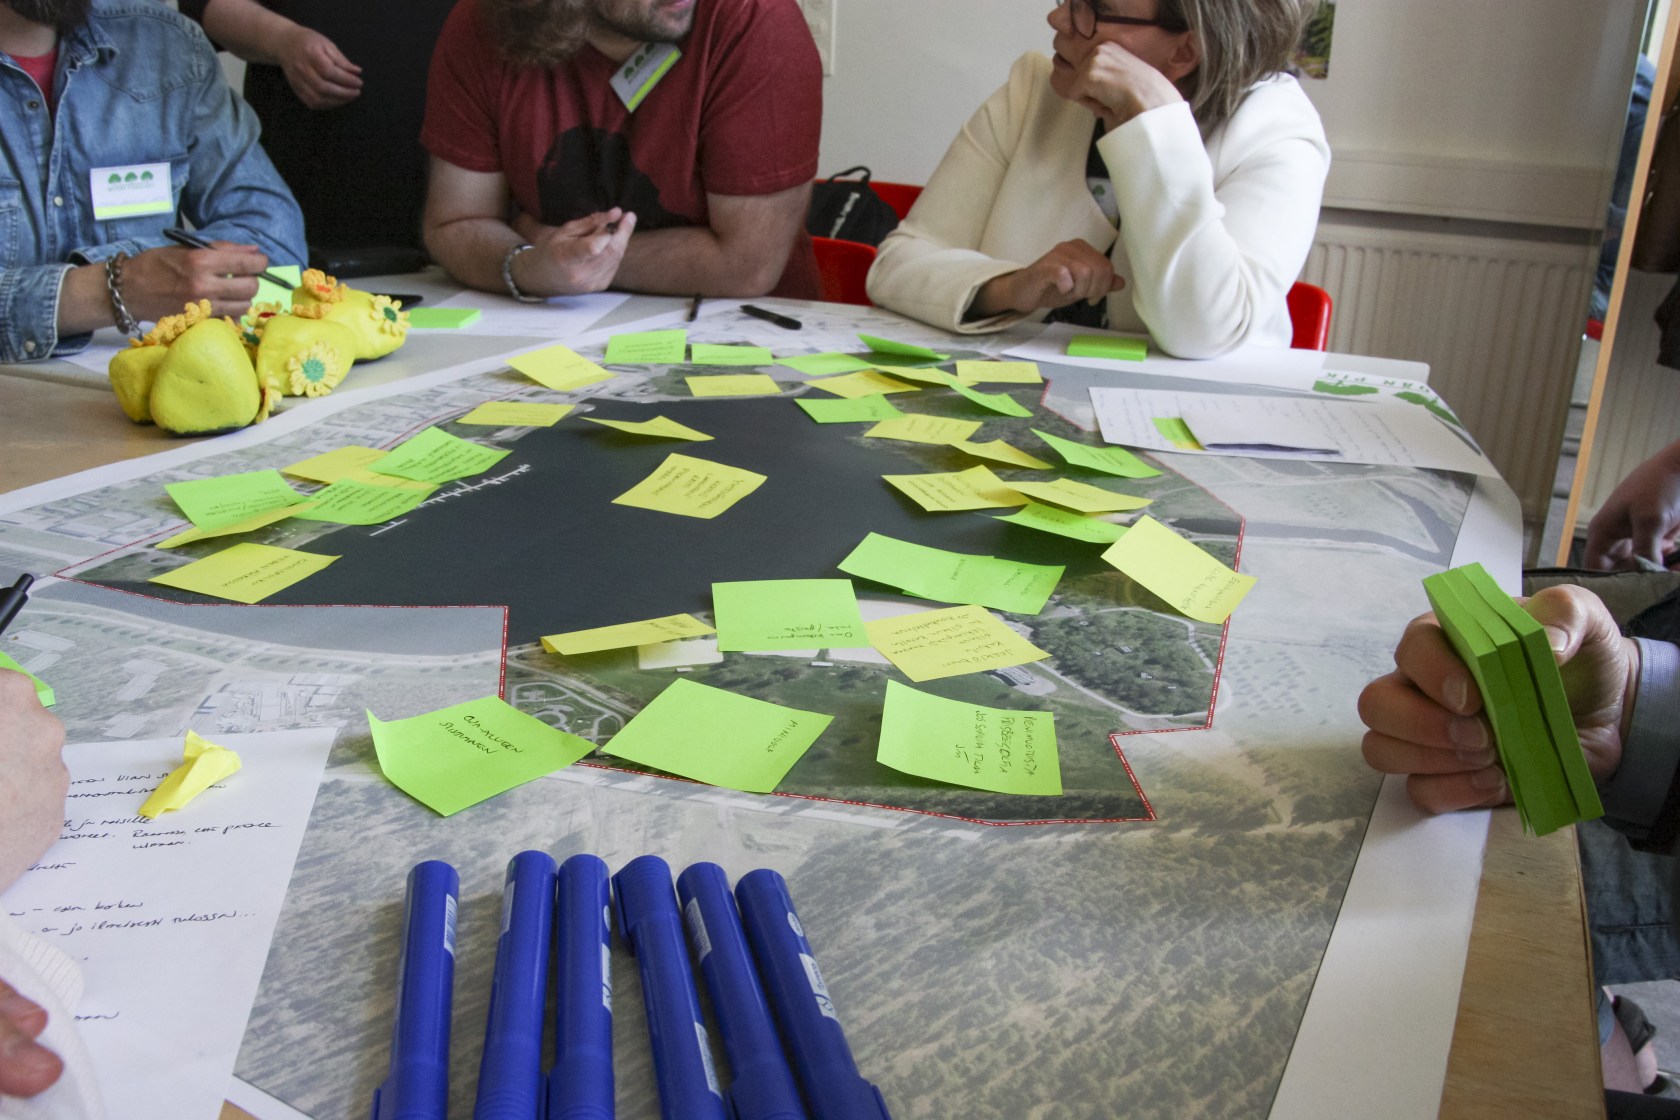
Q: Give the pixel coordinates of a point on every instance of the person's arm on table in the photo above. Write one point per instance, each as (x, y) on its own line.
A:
(1640, 520)
(315, 68)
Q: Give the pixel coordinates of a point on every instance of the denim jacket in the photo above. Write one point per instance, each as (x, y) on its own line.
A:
(136, 84)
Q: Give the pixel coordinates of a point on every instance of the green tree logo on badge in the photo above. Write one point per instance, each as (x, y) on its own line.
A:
(114, 179)
(145, 176)
(130, 177)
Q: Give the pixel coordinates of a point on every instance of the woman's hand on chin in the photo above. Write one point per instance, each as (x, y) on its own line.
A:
(1113, 83)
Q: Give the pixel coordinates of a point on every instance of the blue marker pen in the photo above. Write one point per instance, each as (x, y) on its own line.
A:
(580, 1084)
(761, 1085)
(510, 1080)
(417, 1087)
(828, 1076)
(682, 1061)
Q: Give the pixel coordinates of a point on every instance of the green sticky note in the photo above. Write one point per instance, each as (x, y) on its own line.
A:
(211, 503)
(770, 614)
(953, 577)
(1176, 432)
(347, 502)
(969, 745)
(900, 349)
(43, 691)
(929, 645)
(708, 354)
(1109, 460)
(997, 402)
(234, 528)
(843, 411)
(443, 318)
(647, 348)
(458, 756)
(1066, 523)
(717, 737)
(436, 456)
(245, 573)
(818, 365)
(1191, 580)
(269, 292)
(1107, 346)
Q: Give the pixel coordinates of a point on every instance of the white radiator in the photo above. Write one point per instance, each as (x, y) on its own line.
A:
(1498, 318)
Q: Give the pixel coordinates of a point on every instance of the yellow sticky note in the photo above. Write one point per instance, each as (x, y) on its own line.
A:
(246, 573)
(516, 414)
(625, 634)
(929, 645)
(864, 383)
(734, 385)
(248, 525)
(203, 765)
(1193, 582)
(660, 427)
(559, 367)
(270, 292)
(975, 488)
(1080, 496)
(335, 465)
(1000, 452)
(1011, 373)
(691, 487)
(373, 478)
(1066, 523)
(711, 354)
(924, 429)
(931, 375)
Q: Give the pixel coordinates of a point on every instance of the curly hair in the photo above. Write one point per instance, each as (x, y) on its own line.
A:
(537, 32)
(1242, 41)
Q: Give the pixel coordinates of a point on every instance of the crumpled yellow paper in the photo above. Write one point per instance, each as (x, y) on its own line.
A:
(205, 764)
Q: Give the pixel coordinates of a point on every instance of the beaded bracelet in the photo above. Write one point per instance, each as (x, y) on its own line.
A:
(119, 310)
(507, 275)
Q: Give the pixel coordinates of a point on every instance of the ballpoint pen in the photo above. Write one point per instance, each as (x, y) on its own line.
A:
(771, 317)
(417, 1087)
(510, 1076)
(193, 241)
(580, 1083)
(13, 598)
(760, 1083)
(693, 308)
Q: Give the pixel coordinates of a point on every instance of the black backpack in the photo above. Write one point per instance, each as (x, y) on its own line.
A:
(849, 209)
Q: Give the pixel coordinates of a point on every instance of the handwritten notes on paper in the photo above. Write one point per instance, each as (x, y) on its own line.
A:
(436, 456)
(646, 348)
(734, 385)
(928, 645)
(969, 745)
(458, 756)
(1193, 582)
(245, 573)
(559, 368)
(170, 920)
(771, 614)
(660, 427)
(516, 414)
(953, 577)
(1109, 460)
(691, 487)
(211, 503)
(671, 627)
(975, 488)
(718, 737)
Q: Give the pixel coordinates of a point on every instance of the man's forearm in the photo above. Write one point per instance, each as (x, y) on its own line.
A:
(247, 29)
(692, 259)
(472, 250)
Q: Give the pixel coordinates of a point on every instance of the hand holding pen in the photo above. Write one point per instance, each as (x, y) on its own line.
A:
(161, 282)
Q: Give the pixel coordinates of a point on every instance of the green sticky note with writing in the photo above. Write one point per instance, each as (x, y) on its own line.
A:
(1107, 346)
(43, 691)
(769, 614)
(953, 577)
(210, 503)
(711, 354)
(997, 402)
(436, 456)
(718, 737)
(443, 318)
(858, 410)
(458, 756)
(1109, 460)
(1066, 523)
(347, 502)
(969, 745)
(647, 348)
(270, 292)
(900, 349)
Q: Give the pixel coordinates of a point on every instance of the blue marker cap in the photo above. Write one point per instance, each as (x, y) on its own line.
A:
(417, 1087)
(580, 1084)
(761, 1085)
(510, 1080)
(682, 1059)
(828, 1076)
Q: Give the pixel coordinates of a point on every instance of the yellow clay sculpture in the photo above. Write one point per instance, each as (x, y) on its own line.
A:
(205, 383)
(379, 323)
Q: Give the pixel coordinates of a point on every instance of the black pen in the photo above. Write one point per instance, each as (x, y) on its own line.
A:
(693, 308)
(193, 241)
(13, 598)
(771, 317)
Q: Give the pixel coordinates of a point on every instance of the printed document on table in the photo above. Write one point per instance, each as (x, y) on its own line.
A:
(558, 317)
(170, 920)
(1384, 431)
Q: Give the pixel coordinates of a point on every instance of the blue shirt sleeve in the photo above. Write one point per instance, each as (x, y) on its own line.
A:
(1642, 799)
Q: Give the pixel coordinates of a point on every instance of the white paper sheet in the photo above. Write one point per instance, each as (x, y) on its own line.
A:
(170, 920)
(1381, 430)
(559, 317)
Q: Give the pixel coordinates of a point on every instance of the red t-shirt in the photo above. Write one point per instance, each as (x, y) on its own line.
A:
(740, 113)
(41, 67)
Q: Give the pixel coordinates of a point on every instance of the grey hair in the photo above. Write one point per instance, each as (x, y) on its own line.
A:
(1242, 41)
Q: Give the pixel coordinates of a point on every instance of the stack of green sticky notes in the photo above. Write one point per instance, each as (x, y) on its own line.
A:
(1522, 692)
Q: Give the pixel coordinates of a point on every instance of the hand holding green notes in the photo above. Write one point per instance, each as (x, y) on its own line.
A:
(1490, 702)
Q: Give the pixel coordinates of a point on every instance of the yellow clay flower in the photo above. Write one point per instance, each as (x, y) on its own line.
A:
(316, 371)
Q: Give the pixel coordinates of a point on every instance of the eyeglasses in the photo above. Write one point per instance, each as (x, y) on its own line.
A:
(1086, 17)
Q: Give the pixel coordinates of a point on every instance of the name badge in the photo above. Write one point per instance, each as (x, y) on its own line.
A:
(123, 192)
(641, 72)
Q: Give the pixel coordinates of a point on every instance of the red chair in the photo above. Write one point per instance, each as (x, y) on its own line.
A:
(843, 266)
(1309, 313)
(900, 196)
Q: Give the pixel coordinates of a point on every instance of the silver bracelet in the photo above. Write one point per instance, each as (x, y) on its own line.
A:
(119, 310)
(507, 275)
